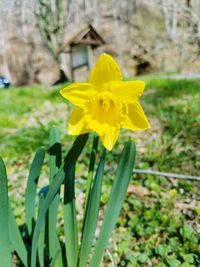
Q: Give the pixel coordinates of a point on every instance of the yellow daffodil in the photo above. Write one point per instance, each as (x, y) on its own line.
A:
(105, 103)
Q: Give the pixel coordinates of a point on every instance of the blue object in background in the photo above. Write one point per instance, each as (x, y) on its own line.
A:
(4, 82)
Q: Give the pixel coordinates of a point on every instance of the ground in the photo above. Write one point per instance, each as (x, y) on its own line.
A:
(159, 223)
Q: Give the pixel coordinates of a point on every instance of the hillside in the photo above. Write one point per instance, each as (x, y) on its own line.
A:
(144, 36)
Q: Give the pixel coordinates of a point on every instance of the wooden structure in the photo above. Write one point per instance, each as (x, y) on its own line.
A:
(80, 50)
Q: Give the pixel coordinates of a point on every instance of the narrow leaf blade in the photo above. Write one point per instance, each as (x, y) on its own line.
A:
(54, 152)
(31, 193)
(70, 221)
(53, 189)
(115, 202)
(41, 239)
(16, 238)
(92, 211)
(54, 165)
(5, 251)
(71, 233)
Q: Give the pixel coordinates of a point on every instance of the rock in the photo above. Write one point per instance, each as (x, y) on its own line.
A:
(17, 55)
(139, 191)
(45, 67)
(134, 33)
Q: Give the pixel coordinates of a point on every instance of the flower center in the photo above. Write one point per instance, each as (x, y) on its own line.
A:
(104, 112)
(105, 104)
(106, 101)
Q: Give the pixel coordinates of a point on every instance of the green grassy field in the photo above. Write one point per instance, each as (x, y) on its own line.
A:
(160, 220)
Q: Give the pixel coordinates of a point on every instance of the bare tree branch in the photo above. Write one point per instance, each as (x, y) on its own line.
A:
(167, 174)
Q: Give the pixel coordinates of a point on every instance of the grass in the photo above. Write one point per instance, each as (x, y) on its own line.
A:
(159, 223)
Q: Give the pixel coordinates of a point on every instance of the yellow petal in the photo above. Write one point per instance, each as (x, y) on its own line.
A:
(105, 70)
(109, 139)
(127, 91)
(79, 93)
(135, 119)
(77, 124)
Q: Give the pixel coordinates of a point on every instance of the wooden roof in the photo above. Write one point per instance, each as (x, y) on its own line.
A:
(86, 35)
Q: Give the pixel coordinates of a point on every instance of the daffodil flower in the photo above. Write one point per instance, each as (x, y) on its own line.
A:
(105, 103)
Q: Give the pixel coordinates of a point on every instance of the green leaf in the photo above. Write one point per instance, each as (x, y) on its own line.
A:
(70, 221)
(162, 249)
(173, 262)
(71, 233)
(143, 258)
(5, 250)
(186, 264)
(91, 169)
(54, 165)
(160, 265)
(41, 239)
(188, 258)
(91, 216)
(54, 152)
(118, 192)
(53, 189)
(54, 260)
(30, 194)
(16, 238)
(186, 231)
(54, 244)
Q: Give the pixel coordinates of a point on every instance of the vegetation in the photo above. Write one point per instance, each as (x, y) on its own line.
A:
(159, 223)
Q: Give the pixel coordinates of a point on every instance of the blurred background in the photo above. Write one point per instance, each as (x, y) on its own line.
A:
(42, 41)
(45, 44)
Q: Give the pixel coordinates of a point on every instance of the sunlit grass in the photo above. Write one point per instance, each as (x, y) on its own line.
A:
(161, 227)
